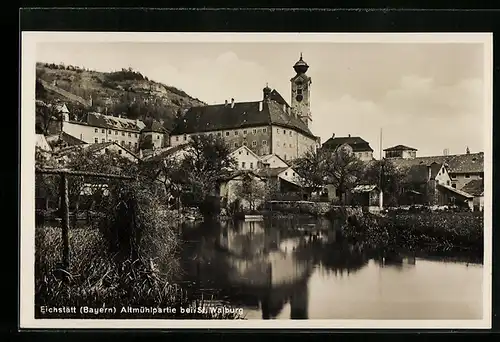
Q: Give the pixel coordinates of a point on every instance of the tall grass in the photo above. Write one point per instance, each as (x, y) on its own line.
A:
(126, 260)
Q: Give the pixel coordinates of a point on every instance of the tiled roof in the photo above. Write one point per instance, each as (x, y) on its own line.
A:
(265, 159)
(152, 125)
(167, 152)
(70, 140)
(357, 144)
(458, 163)
(364, 188)
(458, 192)
(475, 187)
(237, 173)
(270, 171)
(243, 114)
(113, 122)
(400, 148)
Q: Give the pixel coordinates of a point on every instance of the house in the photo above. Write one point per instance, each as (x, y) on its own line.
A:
(357, 145)
(367, 196)
(231, 188)
(400, 151)
(172, 152)
(154, 135)
(284, 179)
(245, 158)
(272, 161)
(63, 140)
(269, 126)
(476, 188)
(67, 153)
(426, 184)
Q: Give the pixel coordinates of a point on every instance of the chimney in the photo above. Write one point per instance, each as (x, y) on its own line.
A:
(225, 103)
(260, 106)
(333, 135)
(288, 110)
(284, 108)
(467, 151)
(349, 135)
(232, 103)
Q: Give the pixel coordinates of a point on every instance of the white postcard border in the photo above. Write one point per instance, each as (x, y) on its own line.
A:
(27, 221)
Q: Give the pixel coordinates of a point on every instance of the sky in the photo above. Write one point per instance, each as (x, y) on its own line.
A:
(428, 96)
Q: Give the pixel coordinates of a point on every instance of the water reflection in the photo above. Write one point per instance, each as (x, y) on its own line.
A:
(302, 269)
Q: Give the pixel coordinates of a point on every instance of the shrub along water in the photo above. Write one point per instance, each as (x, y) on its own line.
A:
(439, 230)
(127, 260)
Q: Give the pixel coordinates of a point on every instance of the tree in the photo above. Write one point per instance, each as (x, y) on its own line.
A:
(207, 160)
(388, 176)
(251, 190)
(311, 167)
(46, 114)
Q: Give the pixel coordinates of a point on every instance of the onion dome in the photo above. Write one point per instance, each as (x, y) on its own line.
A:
(301, 66)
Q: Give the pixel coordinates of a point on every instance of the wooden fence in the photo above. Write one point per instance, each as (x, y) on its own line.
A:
(64, 195)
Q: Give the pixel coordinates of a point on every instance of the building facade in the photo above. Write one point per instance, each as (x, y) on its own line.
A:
(400, 151)
(360, 147)
(269, 126)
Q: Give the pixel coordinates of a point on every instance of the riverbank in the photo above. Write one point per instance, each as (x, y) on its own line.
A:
(420, 230)
(94, 279)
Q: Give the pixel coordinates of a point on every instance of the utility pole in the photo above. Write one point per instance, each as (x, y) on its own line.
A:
(381, 193)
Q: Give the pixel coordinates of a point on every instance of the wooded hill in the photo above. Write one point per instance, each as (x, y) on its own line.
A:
(126, 92)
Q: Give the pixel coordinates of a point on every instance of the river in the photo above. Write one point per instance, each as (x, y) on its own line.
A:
(274, 269)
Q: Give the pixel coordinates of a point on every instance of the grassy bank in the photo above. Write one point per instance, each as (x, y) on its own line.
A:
(94, 279)
(425, 230)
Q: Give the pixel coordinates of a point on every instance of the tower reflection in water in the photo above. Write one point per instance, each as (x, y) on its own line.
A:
(266, 264)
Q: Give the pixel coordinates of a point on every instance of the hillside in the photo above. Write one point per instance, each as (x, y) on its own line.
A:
(125, 92)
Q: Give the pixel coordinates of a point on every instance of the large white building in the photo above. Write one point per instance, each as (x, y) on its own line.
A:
(269, 126)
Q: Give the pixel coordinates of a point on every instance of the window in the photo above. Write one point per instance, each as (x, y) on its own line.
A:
(286, 173)
(453, 176)
(290, 133)
(251, 165)
(157, 137)
(244, 143)
(116, 141)
(96, 140)
(243, 165)
(284, 131)
(239, 152)
(110, 140)
(284, 157)
(235, 132)
(293, 174)
(135, 135)
(129, 144)
(284, 144)
(264, 142)
(176, 138)
(254, 143)
(123, 133)
(129, 134)
(96, 130)
(254, 131)
(210, 135)
(109, 131)
(219, 134)
(244, 132)
(185, 137)
(119, 151)
(135, 145)
(264, 130)
(103, 130)
(235, 144)
(106, 150)
(116, 132)
(123, 143)
(467, 175)
(227, 134)
(103, 140)
(290, 145)
(448, 182)
(299, 91)
(247, 153)
(278, 130)
(453, 185)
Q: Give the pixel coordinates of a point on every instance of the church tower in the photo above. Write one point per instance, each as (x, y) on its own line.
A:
(301, 92)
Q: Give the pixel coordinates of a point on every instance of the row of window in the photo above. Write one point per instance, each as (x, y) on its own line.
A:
(228, 133)
(254, 143)
(284, 144)
(454, 176)
(96, 130)
(278, 130)
(123, 143)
